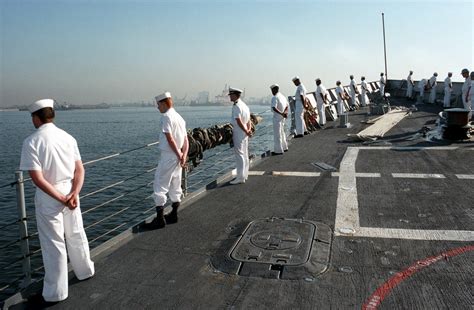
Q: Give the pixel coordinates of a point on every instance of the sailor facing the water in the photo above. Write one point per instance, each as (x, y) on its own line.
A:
(465, 90)
(421, 88)
(470, 94)
(354, 91)
(382, 84)
(432, 86)
(241, 131)
(410, 85)
(321, 99)
(300, 97)
(364, 90)
(448, 88)
(52, 158)
(174, 151)
(280, 113)
(340, 98)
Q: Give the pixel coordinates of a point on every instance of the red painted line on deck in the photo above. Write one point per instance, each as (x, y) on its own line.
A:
(385, 289)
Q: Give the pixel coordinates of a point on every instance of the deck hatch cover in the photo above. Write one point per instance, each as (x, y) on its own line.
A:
(276, 241)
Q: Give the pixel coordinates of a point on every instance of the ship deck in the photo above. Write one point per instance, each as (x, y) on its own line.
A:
(401, 224)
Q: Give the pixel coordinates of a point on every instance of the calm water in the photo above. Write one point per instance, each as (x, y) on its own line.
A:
(100, 133)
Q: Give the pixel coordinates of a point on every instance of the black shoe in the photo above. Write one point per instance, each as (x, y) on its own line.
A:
(158, 222)
(172, 217)
(285, 150)
(274, 154)
(306, 133)
(37, 302)
(299, 136)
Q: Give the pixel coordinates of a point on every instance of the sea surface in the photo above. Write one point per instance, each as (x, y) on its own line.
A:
(116, 193)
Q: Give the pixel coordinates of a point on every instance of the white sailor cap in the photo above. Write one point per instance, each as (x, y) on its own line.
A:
(295, 78)
(40, 104)
(163, 96)
(233, 90)
(274, 85)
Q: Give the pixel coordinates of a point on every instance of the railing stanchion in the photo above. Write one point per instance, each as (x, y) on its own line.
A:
(184, 180)
(23, 228)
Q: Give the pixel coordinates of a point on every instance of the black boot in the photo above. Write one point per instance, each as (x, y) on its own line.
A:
(158, 222)
(172, 217)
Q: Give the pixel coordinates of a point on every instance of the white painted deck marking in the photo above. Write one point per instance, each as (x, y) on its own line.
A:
(418, 175)
(347, 211)
(296, 174)
(360, 175)
(465, 176)
(256, 172)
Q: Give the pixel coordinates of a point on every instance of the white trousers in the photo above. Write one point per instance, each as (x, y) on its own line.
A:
(468, 106)
(321, 112)
(433, 95)
(382, 90)
(364, 99)
(279, 136)
(241, 151)
(60, 228)
(167, 179)
(353, 98)
(340, 107)
(409, 90)
(447, 98)
(299, 118)
(422, 95)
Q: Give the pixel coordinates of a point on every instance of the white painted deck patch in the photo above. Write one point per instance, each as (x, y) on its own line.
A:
(296, 174)
(418, 175)
(256, 172)
(347, 211)
(465, 176)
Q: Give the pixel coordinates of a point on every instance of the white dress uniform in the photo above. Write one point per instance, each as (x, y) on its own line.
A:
(409, 86)
(340, 103)
(448, 88)
(353, 87)
(240, 139)
(465, 93)
(321, 92)
(168, 172)
(299, 109)
(470, 97)
(421, 88)
(54, 152)
(433, 89)
(382, 85)
(365, 100)
(280, 103)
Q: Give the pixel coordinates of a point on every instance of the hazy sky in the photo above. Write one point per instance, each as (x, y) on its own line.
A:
(87, 52)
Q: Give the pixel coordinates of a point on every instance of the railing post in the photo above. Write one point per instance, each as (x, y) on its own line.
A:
(23, 227)
(184, 180)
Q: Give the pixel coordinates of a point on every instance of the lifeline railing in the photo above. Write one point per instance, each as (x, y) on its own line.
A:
(218, 158)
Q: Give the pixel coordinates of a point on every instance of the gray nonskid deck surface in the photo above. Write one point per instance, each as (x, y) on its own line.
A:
(170, 268)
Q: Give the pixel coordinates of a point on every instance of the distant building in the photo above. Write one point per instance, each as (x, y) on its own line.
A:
(203, 97)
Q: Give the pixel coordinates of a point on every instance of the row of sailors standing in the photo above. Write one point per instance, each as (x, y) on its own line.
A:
(280, 107)
(430, 84)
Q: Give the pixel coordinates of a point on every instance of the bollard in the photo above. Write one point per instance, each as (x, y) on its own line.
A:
(23, 228)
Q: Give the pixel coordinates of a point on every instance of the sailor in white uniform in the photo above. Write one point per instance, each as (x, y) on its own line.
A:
(364, 90)
(52, 158)
(465, 90)
(432, 86)
(300, 97)
(173, 147)
(321, 100)
(421, 88)
(354, 90)
(470, 95)
(410, 85)
(382, 84)
(280, 113)
(240, 135)
(341, 96)
(448, 89)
